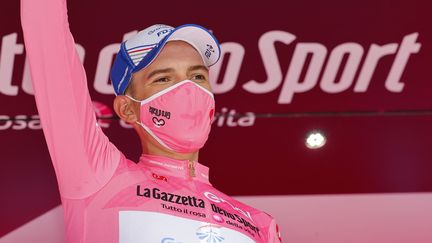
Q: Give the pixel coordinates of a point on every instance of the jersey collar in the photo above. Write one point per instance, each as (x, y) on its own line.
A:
(185, 169)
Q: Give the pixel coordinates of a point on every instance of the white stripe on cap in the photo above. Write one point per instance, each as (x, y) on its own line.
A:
(139, 52)
(122, 79)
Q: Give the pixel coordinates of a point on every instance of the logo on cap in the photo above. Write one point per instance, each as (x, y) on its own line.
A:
(209, 51)
(162, 32)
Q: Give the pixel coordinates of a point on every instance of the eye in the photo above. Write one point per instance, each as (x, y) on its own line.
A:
(161, 80)
(199, 77)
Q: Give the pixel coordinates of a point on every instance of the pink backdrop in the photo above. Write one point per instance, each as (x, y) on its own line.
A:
(358, 71)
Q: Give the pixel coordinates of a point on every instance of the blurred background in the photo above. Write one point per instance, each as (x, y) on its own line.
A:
(324, 113)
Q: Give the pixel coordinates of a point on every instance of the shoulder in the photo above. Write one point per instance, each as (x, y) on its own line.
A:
(252, 218)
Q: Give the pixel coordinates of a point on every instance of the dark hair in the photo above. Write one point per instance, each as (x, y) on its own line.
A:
(130, 90)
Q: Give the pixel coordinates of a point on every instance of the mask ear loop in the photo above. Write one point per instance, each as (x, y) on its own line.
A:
(139, 123)
(130, 97)
(133, 99)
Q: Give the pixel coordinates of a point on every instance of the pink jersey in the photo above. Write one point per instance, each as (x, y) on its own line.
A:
(106, 197)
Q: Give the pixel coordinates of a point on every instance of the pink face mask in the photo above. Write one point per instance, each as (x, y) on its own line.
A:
(179, 117)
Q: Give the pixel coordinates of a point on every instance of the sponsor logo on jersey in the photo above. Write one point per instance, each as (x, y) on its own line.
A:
(156, 193)
(159, 177)
(210, 233)
(235, 217)
(218, 218)
(169, 240)
(212, 197)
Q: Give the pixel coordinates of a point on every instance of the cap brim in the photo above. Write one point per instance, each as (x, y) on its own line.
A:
(201, 39)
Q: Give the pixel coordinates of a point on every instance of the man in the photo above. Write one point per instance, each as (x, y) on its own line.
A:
(161, 78)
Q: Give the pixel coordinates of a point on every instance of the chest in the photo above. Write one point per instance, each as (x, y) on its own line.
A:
(135, 207)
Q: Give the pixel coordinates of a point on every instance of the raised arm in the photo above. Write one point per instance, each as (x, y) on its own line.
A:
(83, 157)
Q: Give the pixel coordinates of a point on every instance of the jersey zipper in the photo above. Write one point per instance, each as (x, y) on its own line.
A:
(191, 166)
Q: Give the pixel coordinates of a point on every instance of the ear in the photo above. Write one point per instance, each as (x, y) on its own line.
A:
(126, 109)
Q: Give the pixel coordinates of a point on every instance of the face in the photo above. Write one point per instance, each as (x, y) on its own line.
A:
(176, 62)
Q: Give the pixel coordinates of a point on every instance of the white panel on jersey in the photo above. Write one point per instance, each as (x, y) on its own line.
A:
(138, 227)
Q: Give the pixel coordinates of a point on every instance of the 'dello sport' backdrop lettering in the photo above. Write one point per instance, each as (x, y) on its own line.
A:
(359, 71)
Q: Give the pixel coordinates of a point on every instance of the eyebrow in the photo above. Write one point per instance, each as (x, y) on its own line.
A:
(198, 67)
(158, 71)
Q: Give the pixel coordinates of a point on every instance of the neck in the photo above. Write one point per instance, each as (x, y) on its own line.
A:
(152, 149)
